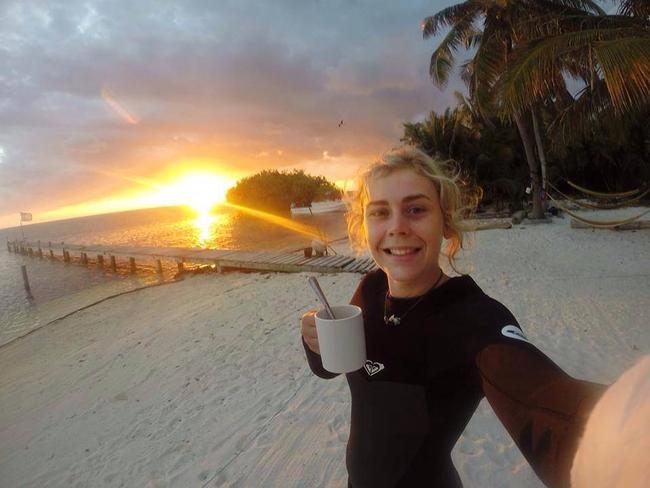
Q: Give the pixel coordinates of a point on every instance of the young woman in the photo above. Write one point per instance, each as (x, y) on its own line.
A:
(436, 345)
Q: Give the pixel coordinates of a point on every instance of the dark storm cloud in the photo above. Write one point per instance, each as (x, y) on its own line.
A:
(250, 84)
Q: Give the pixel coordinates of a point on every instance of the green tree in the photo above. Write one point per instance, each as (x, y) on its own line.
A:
(487, 151)
(499, 34)
(608, 54)
(275, 190)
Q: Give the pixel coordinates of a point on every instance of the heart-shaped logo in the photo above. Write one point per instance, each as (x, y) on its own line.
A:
(372, 367)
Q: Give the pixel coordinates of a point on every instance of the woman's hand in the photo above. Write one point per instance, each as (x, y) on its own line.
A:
(308, 331)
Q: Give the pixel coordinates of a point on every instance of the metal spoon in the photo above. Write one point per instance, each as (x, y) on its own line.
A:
(321, 296)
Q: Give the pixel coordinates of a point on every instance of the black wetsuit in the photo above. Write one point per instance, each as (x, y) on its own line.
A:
(425, 377)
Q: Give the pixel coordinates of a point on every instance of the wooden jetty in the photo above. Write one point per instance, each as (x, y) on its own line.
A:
(280, 261)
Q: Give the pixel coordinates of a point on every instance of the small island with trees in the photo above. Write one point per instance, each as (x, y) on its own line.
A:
(276, 191)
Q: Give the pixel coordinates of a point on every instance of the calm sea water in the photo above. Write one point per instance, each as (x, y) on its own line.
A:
(51, 281)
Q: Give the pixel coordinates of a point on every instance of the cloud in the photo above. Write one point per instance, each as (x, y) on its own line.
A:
(140, 87)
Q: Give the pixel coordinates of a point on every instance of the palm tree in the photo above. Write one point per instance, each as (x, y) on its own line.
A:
(609, 54)
(500, 33)
(435, 135)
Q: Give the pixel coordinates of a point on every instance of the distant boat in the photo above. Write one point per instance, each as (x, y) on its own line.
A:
(319, 207)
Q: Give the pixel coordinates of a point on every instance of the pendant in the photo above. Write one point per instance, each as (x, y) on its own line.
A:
(392, 320)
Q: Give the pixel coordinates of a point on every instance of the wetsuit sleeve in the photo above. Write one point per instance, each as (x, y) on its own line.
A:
(313, 359)
(543, 408)
(316, 364)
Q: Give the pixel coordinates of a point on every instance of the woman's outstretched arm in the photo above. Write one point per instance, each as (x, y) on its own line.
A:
(543, 408)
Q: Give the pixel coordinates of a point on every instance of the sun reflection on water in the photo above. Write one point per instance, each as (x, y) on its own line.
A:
(221, 227)
(206, 225)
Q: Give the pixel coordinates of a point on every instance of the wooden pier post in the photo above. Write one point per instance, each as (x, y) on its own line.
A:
(100, 260)
(30, 252)
(181, 267)
(84, 258)
(40, 253)
(159, 266)
(51, 254)
(113, 265)
(66, 256)
(217, 266)
(23, 268)
(132, 267)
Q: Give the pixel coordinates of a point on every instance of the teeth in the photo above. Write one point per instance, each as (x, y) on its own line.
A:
(401, 252)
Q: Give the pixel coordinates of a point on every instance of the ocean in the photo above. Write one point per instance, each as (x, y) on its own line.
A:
(53, 283)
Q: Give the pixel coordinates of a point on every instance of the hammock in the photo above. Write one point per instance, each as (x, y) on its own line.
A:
(598, 206)
(604, 195)
(598, 223)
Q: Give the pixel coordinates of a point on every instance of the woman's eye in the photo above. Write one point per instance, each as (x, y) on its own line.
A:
(377, 212)
(415, 210)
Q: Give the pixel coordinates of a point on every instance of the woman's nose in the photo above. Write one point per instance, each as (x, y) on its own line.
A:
(398, 224)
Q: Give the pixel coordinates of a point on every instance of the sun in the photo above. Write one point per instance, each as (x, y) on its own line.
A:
(199, 190)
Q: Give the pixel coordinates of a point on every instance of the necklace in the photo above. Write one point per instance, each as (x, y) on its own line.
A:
(395, 320)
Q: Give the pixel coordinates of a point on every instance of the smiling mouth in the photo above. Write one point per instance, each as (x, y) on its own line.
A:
(401, 251)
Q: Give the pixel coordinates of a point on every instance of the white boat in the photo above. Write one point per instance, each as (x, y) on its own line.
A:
(319, 207)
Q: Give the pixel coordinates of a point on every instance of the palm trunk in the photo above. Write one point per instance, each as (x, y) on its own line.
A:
(533, 165)
(453, 139)
(541, 154)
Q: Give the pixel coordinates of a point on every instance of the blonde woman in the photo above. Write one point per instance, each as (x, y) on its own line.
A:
(436, 345)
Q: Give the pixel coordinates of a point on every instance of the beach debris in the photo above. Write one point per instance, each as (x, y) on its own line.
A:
(319, 247)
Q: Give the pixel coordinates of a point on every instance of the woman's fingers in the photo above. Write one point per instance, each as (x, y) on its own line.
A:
(308, 331)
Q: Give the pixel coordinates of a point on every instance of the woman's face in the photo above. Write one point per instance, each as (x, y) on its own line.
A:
(405, 225)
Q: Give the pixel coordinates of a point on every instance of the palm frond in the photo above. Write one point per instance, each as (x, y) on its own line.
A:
(562, 7)
(625, 65)
(442, 58)
(547, 25)
(581, 118)
(635, 8)
(488, 62)
(449, 16)
(567, 6)
(621, 60)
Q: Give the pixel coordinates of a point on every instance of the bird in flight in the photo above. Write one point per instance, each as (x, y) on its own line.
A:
(340, 123)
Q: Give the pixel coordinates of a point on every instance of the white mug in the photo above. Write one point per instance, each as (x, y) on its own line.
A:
(341, 341)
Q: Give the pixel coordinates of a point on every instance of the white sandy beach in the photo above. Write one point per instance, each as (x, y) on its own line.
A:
(204, 382)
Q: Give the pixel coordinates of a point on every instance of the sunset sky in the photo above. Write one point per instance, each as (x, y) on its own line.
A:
(106, 106)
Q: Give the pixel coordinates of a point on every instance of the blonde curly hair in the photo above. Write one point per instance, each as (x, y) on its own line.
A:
(457, 199)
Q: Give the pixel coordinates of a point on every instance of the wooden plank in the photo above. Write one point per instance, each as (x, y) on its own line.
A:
(296, 260)
(360, 265)
(342, 261)
(287, 258)
(260, 257)
(330, 260)
(351, 266)
(171, 252)
(222, 253)
(291, 268)
(266, 256)
(321, 261)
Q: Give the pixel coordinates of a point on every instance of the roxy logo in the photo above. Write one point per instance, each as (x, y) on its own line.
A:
(372, 367)
(514, 333)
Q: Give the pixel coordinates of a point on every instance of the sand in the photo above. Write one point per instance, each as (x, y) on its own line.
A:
(203, 382)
